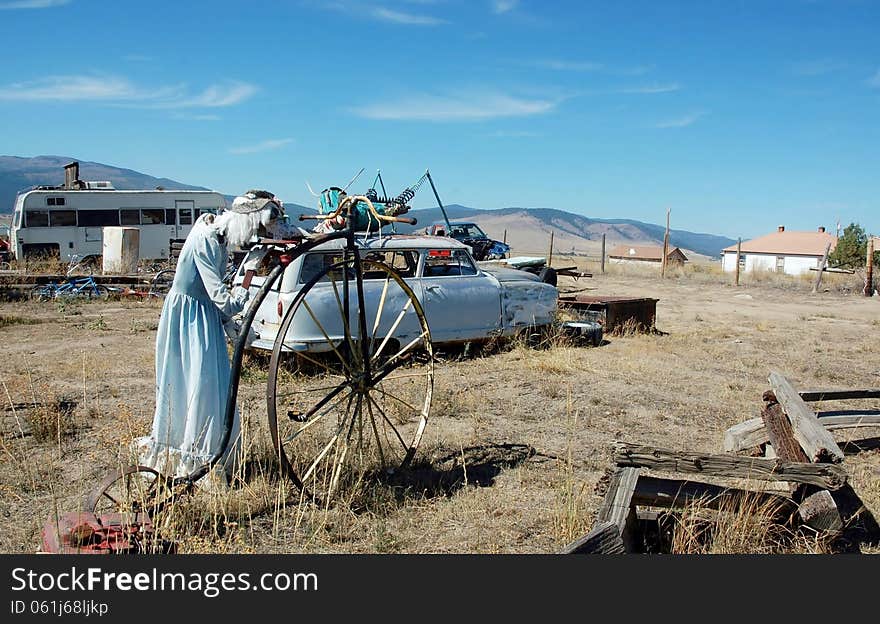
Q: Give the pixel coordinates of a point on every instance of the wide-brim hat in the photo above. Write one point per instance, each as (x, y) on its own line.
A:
(255, 201)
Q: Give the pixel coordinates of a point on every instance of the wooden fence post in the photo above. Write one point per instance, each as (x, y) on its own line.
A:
(665, 246)
(869, 269)
(738, 256)
(822, 264)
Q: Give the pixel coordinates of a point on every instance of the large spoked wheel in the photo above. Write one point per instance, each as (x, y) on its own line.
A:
(350, 379)
(132, 489)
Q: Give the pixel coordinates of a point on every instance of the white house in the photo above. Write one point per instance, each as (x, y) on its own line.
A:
(793, 253)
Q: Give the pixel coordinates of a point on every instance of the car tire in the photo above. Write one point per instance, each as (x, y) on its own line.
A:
(584, 332)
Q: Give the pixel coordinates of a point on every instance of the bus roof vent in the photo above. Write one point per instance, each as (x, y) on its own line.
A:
(99, 184)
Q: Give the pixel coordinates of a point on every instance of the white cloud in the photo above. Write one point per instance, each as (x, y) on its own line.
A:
(215, 96)
(71, 88)
(503, 6)
(195, 117)
(33, 4)
(650, 89)
(464, 106)
(580, 66)
(680, 122)
(119, 90)
(399, 17)
(874, 81)
(262, 146)
(513, 134)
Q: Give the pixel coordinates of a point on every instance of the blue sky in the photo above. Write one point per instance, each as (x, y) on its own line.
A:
(737, 115)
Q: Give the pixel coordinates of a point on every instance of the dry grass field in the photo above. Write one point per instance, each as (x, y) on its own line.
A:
(519, 440)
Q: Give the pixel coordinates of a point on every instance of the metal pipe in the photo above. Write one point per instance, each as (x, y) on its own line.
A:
(439, 203)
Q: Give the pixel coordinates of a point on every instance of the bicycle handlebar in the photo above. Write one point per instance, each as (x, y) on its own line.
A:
(349, 202)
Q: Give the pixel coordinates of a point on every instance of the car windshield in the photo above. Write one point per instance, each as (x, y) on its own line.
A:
(467, 230)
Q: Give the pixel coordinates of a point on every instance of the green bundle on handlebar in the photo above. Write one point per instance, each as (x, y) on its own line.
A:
(363, 220)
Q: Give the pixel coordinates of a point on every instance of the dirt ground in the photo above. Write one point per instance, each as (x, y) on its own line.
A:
(518, 444)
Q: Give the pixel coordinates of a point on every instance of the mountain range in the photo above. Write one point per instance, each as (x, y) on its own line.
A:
(527, 230)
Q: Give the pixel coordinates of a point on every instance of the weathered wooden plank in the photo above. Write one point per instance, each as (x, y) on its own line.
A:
(781, 435)
(751, 433)
(830, 476)
(674, 493)
(745, 435)
(819, 511)
(604, 539)
(817, 442)
(833, 395)
(617, 506)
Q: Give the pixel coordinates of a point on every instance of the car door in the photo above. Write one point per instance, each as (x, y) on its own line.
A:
(461, 302)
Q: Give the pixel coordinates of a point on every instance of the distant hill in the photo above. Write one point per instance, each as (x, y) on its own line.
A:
(528, 229)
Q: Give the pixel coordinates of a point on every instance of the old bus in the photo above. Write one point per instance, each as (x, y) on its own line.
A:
(69, 222)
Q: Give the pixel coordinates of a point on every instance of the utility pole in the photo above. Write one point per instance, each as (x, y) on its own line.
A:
(603, 253)
(869, 269)
(822, 266)
(738, 256)
(550, 255)
(665, 246)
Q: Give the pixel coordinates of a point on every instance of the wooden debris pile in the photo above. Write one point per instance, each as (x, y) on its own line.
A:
(789, 446)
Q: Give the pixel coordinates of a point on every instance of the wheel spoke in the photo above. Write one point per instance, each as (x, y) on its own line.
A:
(393, 328)
(316, 362)
(396, 398)
(390, 424)
(310, 421)
(395, 361)
(376, 433)
(306, 391)
(328, 446)
(346, 320)
(326, 337)
(379, 312)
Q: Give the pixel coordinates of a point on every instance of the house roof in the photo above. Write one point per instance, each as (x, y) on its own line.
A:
(788, 243)
(642, 252)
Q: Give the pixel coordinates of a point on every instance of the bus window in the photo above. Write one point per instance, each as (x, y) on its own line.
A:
(36, 218)
(62, 218)
(98, 218)
(186, 217)
(170, 216)
(130, 217)
(152, 216)
(54, 201)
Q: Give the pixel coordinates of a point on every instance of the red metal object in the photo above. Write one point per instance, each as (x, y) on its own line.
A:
(84, 533)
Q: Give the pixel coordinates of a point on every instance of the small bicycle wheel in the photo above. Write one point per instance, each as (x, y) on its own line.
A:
(98, 293)
(161, 283)
(362, 405)
(41, 292)
(130, 490)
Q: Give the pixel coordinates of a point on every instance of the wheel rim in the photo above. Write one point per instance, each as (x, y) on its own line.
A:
(336, 420)
(161, 283)
(132, 489)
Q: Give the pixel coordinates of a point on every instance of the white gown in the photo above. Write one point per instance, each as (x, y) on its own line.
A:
(192, 363)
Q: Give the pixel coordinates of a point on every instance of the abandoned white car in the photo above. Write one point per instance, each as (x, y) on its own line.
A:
(461, 301)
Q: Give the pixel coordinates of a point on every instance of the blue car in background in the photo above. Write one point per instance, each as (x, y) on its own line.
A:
(469, 233)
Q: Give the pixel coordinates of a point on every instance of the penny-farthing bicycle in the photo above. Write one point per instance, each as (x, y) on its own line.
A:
(361, 408)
